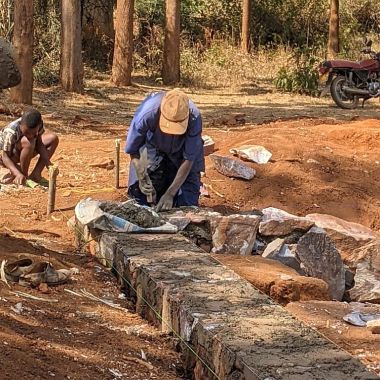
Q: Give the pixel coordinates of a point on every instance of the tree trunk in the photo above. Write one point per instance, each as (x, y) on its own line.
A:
(71, 47)
(123, 52)
(23, 50)
(98, 32)
(246, 26)
(171, 64)
(333, 43)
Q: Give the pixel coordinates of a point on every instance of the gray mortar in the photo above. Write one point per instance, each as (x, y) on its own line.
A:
(239, 332)
(135, 214)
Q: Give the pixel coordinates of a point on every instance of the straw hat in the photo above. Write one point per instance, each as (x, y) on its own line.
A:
(175, 112)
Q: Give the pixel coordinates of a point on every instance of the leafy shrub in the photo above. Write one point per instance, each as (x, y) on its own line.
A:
(301, 76)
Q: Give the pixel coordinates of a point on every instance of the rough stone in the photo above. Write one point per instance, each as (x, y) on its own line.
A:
(9, 73)
(276, 222)
(370, 252)
(320, 258)
(236, 330)
(367, 276)
(367, 284)
(374, 326)
(194, 224)
(183, 217)
(278, 250)
(232, 167)
(234, 234)
(255, 153)
(208, 145)
(347, 236)
(281, 282)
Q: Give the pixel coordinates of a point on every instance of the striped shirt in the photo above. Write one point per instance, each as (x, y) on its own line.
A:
(11, 135)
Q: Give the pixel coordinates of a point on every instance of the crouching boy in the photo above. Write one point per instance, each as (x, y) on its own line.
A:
(20, 141)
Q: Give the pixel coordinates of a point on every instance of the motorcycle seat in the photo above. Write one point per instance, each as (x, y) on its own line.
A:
(358, 65)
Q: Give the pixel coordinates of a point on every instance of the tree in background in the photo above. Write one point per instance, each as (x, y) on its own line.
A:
(23, 44)
(71, 68)
(123, 52)
(171, 63)
(246, 26)
(333, 41)
(98, 32)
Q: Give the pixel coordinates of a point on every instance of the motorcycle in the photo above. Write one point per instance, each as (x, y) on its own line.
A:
(350, 81)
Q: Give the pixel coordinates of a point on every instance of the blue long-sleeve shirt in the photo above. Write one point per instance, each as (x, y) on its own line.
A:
(145, 131)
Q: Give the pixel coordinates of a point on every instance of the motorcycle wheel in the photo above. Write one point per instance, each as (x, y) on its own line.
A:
(343, 100)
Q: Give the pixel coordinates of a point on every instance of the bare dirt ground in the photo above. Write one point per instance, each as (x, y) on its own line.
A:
(324, 160)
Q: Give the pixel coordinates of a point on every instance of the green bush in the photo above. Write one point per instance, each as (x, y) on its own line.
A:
(301, 76)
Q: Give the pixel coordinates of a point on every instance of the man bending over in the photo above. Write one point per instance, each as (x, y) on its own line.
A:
(167, 128)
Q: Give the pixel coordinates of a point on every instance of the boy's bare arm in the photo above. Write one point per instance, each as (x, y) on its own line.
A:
(7, 161)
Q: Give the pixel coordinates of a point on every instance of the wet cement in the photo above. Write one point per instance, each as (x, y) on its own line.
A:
(141, 216)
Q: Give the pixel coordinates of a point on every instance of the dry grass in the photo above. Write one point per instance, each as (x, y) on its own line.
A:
(6, 25)
(223, 65)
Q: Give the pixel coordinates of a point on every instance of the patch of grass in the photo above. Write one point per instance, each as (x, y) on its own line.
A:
(223, 65)
(300, 75)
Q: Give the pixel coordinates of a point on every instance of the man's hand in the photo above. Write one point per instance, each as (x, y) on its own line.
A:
(145, 183)
(146, 186)
(165, 203)
(20, 179)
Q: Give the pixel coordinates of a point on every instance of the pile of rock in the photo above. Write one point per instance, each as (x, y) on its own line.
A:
(9, 73)
(346, 256)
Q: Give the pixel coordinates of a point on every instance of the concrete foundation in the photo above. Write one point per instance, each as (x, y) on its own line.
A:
(229, 330)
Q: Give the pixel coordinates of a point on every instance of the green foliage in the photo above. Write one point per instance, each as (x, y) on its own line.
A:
(210, 38)
(301, 76)
(47, 40)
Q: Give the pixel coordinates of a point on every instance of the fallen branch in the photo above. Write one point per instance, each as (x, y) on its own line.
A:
(214, 191)
(26, 295)
(2, 273)
(86, 294)
(149, 366)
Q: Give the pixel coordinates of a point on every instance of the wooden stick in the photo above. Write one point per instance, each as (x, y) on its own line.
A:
(117, 166)
(53, 173)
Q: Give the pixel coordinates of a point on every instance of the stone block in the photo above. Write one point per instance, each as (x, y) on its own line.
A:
(278, 223)
(235, 234)
(320, 258)
(347, 236)
(374, 326)
(272, 277)
(237, 331)
(286, 254)
(367, 275)
(232, 167)
(9, 73)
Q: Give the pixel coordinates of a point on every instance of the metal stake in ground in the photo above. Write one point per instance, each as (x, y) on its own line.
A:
(53, 173)
(117, 166)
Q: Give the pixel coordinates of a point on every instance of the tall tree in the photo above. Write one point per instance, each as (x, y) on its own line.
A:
(171, 72)
(333, 42)
(98, 31)
(123, 52)
(71, 47)
(23, 44)
(246, 26)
